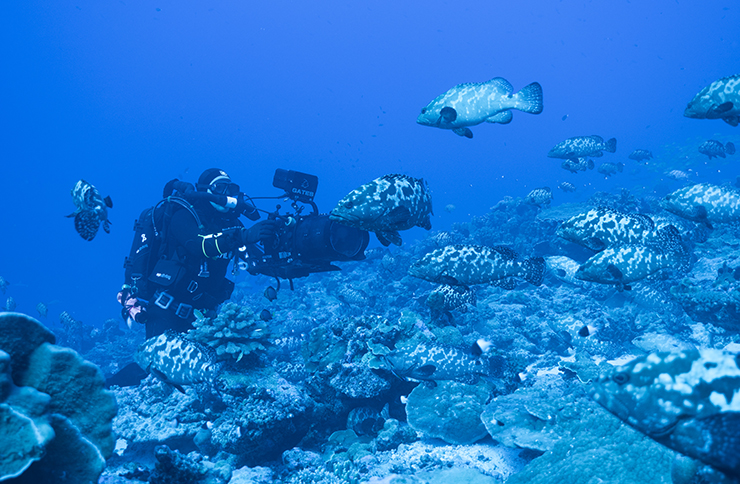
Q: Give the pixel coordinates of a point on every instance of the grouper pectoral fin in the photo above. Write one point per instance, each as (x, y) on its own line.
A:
(503, 117)
(447, 115)
(163, 378)
(398, 216)
(426, 371)
(463, 132)
(386, 238)
(721, 108)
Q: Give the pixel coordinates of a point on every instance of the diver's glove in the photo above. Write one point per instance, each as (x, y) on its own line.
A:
(261, 231)
(177, 186)
(133, 309)
(245, 208)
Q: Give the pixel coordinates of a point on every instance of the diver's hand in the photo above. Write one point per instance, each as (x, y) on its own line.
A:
(245, 208)
(261, 231)
(132, 310)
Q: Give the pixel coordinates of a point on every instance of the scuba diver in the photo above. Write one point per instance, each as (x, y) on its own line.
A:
(180, 257)
(182, 266)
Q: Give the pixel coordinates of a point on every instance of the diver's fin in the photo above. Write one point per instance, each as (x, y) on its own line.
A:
(463, 132)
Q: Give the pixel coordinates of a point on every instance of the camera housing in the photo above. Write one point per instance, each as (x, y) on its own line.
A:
(298, 186)
(304, 244)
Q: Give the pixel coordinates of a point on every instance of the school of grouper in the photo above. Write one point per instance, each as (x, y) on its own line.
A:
(687, 400)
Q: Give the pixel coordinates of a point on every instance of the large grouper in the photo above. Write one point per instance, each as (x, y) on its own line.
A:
(719, 100)
(385, 206)
(473, 103)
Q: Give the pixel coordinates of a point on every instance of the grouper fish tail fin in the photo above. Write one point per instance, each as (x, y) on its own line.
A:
(670, 240)
(611, 145)
(534, 270)
(529, 99)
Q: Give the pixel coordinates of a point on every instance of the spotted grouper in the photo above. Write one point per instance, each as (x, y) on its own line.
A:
(624, 264)
(430, 362)
(177, 360)
(580, 146)
(688, 401)
(719, 100)
(705, 203)
(385, 206)
(603, 227)
(472, 264)
(473, 103)
(91, 211)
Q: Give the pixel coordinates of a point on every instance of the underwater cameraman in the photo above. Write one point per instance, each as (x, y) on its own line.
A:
(182, 250)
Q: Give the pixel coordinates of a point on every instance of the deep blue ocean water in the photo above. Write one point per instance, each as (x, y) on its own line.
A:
(128, 95)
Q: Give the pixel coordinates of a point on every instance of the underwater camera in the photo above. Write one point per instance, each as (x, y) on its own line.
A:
(304, 244)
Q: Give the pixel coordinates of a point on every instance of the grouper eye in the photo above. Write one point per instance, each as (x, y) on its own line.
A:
(349, 204)
(423, 110)
(621, 378)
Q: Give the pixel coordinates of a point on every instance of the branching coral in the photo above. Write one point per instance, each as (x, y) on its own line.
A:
(235, 333)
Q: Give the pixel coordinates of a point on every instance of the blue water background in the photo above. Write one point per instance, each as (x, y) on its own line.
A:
(128, 95)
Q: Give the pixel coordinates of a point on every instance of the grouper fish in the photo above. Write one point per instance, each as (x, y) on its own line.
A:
(430, 362)
(603, 227)
(385, 206)
(472, 103)
(91, 211)
(688, 401)
(705, 203)
(580, 146)
(713, 148)
(177, 360)
(472, 264)
(719, 100)
(624, 264)
(447, 298)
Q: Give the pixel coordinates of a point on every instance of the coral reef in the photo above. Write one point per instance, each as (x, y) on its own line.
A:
(58, 395)
(175, 468)
(234, 333)
(450, 411)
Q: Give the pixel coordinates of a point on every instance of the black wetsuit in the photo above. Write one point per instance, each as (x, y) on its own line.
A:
(201, 258)
(196, 260)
